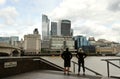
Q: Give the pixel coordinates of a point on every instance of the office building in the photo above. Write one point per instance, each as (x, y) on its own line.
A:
(53, 28)
(65, 27)
(80, 41)
(59, 43)
(45, 27)
(5, 39)
(10, 40)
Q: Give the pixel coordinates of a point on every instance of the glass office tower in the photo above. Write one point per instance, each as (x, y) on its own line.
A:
(45, 27)
(53, 28)
(65, 28)
(80, 41)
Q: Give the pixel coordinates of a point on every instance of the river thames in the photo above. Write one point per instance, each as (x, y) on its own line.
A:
(93, 62)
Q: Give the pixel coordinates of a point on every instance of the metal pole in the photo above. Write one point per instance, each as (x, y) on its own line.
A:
(119, 62)
(108, 71)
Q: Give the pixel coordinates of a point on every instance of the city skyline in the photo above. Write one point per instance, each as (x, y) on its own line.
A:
(97, 18)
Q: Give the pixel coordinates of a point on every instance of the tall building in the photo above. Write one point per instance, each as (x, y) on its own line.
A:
(59, 28)
(53, 28)
(32, 43)
(65, 27)
(80, 41)
(45, 27)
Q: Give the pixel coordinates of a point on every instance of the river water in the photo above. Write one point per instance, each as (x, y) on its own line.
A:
(92, 62)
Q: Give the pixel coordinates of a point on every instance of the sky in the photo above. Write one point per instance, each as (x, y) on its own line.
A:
(96, 18)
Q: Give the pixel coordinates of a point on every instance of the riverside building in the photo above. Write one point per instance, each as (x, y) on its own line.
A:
(80, 41)
(32, 43)
(59, 43)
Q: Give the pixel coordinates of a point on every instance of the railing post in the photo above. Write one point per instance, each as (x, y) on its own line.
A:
(119, 62)
(108, 71)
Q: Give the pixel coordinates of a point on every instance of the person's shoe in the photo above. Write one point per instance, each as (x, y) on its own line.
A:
(64, 73)
(68, 73)
(78, 74)
(84, 73)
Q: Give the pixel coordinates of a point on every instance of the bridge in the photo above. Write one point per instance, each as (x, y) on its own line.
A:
(7, 49)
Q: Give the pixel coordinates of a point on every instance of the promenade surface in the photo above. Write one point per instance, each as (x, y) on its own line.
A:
(49, 74)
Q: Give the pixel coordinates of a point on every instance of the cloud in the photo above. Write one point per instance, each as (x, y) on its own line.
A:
(81, 8)
(9, 15)
(2, 25)
(16, 1)
(19, 30)
(28, 29)
(2, 2)
(90, 17)
(115, 5)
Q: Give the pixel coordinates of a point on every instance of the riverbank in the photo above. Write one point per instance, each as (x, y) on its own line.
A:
(58, 54)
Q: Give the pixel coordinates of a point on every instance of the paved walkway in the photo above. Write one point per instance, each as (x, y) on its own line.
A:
(45, 74)
(48, 74)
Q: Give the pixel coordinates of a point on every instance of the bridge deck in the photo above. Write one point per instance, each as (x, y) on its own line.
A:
(48, 74)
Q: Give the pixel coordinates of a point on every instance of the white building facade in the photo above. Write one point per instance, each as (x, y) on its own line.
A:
(32, 43)
(58, 43)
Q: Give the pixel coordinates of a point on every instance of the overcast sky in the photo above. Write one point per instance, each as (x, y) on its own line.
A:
(97, 18)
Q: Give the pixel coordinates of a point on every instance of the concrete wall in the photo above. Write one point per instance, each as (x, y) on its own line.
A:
(16, 65)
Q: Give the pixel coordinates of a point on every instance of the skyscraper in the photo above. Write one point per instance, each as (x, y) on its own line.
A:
(53, 28)
(65, 27)
(45, 27)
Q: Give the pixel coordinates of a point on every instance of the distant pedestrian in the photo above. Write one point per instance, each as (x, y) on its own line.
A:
(81, 56)
(67, 56)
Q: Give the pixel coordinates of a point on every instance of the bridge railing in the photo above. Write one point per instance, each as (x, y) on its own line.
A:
(109, 61)
(75, 63)
(49, 63)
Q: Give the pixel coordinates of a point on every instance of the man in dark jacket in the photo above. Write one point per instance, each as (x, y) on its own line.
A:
(81, 56)
(67, 56)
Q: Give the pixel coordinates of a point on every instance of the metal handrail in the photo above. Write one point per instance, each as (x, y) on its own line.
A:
(108, 62)
(85, 68)
(50, 63)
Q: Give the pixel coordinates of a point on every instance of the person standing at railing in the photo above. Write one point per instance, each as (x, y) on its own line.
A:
(67, 56)
(81, 56)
